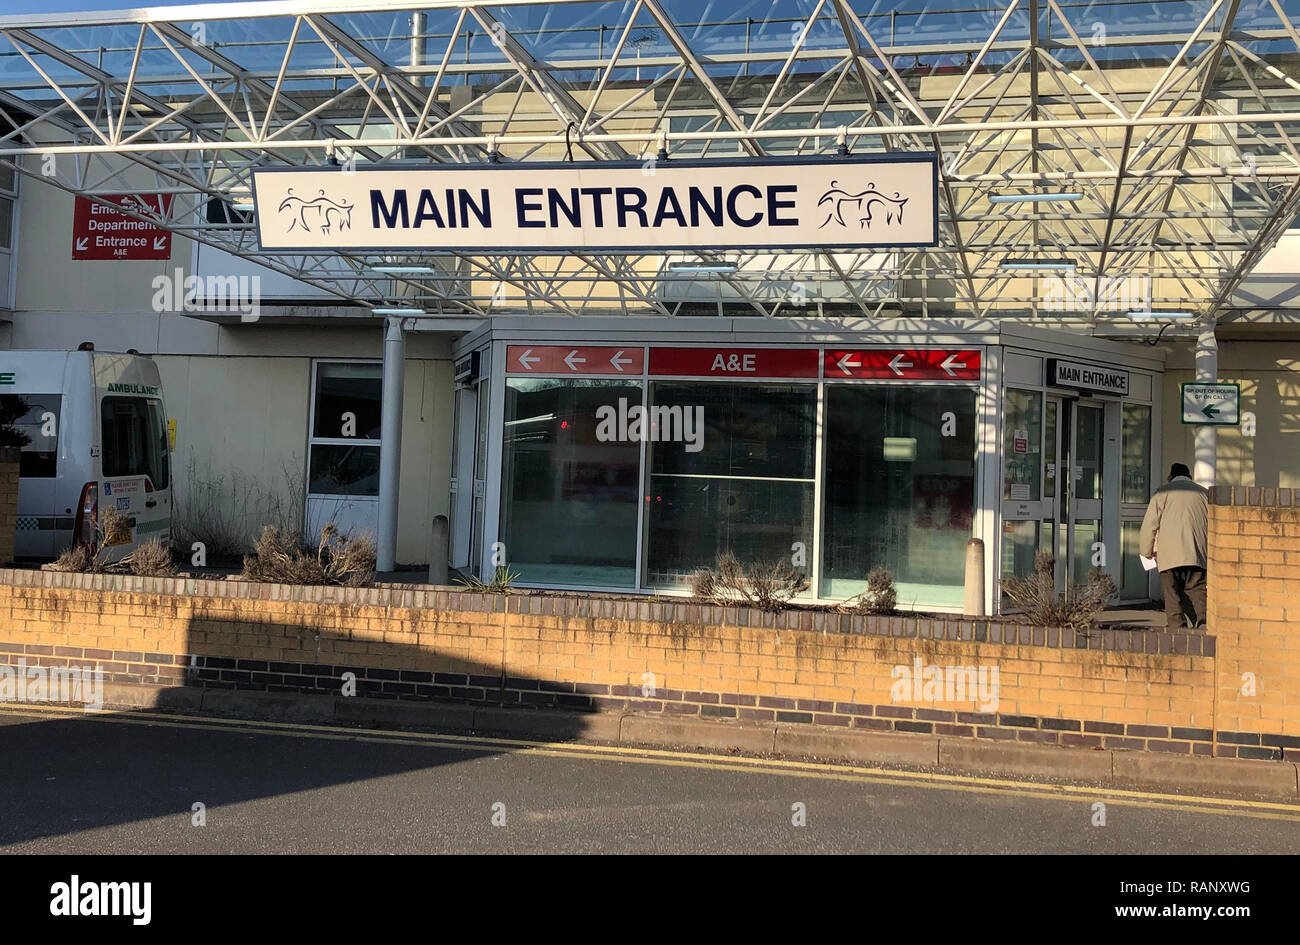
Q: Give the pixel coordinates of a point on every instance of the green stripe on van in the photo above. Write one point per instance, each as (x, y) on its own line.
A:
(158, 526)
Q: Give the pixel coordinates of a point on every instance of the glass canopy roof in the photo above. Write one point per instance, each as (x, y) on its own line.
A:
(1097, 158)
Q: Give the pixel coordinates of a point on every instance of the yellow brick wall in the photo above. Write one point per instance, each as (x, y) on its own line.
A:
(594, 654)
(1254, 610)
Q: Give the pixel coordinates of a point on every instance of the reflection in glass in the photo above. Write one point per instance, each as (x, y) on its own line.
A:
(1136, 487)
(1021, 542)
(569, 502)
(343, 469)
(1022, 467)
(344, 389)
(1134, 582)
(900, 489)
(1086, 533)
(748, 489)
(1087, 457)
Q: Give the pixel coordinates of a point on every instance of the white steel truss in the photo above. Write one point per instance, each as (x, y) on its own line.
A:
(1145, 147)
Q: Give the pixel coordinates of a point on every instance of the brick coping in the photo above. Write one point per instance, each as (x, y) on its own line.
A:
(659, 610)
(1255, 496)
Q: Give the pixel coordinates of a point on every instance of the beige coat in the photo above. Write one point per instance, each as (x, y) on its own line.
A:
(1176, 525)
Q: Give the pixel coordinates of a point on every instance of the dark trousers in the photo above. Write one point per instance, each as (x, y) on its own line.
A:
(1184, 590)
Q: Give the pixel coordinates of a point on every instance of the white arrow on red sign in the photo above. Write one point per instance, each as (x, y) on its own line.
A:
(920, 364)
(525, 361)
(617, 361)
(897, 364)
(160, 242)
(951, 365)
(572, 360)
(82, 243)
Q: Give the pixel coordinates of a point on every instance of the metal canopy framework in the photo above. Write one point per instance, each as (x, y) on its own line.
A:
(1097, 158)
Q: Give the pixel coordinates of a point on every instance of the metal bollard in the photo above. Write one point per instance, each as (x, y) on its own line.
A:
(438, 551)
(974, 606)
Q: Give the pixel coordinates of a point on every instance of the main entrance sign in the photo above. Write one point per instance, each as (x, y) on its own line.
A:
(832, 202)
(1089, 377)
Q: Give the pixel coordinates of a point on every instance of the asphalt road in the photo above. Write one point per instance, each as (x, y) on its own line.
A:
(128, 784)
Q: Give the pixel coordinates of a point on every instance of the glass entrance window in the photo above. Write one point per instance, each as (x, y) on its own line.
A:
(900, 489)
(1087, 459)
(1136, 485)
(1022, 462)
(744, 485)
(569, 503)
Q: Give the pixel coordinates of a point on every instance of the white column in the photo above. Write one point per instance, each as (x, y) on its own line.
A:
(1207, 371)
(390, 444)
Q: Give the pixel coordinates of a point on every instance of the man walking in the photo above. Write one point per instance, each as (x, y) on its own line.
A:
(1174, 532)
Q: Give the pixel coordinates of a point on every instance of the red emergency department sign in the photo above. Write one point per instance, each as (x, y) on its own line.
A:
(101, 232)
(926, 364)
(733, 362)
(567, 359)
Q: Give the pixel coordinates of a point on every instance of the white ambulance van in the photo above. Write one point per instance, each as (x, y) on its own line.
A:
(97, 439)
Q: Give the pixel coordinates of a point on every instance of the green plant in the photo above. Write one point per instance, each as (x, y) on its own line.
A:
(503, 580)
(279, 558)
(1035, 595)
(880, 596)
(768, 587)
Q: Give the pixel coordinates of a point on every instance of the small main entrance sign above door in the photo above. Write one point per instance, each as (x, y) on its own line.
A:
(824, 202)
(1087, 377)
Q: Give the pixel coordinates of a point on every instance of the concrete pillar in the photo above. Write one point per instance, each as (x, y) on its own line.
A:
(390, 444)
(974, 605)
(1207, 371)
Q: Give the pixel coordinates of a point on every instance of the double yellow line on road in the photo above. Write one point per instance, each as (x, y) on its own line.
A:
(1260, 810)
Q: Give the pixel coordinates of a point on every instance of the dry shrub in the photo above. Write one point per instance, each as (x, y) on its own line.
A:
(223, 510)
(768, 587)
(111, 528)
(880, 597)
(280, 558)
(76, 558)
(1036, 596)
(151, 559)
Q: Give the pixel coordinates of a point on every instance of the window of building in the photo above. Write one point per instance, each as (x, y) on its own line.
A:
(1136, 461)
(343, 454)
(569, 476)
(8, 212)
(1022, 451)
(739, 478)
(1135, 492)
(134, 439)
(900, 489)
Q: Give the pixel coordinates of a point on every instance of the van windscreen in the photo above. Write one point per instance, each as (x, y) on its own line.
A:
(134, 439)
(31, 422)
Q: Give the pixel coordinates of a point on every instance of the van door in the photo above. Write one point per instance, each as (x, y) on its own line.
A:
(39, 522)
(135, 477)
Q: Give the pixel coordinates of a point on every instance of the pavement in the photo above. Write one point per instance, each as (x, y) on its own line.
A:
(130, 783)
